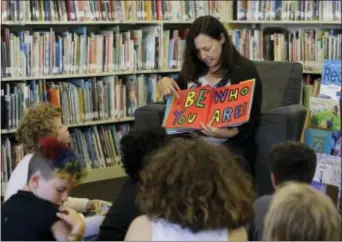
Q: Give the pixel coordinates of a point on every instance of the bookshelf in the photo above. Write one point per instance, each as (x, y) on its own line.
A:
(69, 26)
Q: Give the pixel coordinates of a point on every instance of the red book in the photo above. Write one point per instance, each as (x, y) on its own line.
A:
(227, 106)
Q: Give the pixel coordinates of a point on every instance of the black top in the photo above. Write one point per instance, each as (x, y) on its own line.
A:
(245, 140)
(25, 217)
(123, 211)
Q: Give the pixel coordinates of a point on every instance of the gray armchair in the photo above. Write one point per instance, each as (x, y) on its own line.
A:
(282, 115)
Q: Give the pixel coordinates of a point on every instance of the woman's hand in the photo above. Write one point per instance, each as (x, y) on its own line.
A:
(73, 219)
(167, 86)
(218, 132)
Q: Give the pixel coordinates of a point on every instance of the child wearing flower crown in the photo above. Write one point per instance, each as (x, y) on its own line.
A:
(34, 212)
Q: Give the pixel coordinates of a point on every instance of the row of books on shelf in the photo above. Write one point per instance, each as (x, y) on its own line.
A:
(323, 129)
(81, 100)
(80, 51)
(131, 10)
(307, 10)
(307, 46)
(98, 146)
(324, 135)
(110, 10)
(40, 53)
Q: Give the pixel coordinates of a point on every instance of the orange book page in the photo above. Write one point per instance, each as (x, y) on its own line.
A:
(189, 110)
(231, 105)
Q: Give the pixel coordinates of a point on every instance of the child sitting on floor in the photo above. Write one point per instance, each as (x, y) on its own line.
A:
(288, 161)
(34, 212)
(298, 212)
(41, 120)
(135, 148)
(193, 191)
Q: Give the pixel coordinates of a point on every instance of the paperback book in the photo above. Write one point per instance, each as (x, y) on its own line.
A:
(325, 113)
(331, 82)
(328, 170)
(324, 141)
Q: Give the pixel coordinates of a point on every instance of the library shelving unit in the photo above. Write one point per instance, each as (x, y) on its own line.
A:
(70, 49)
(78, 47)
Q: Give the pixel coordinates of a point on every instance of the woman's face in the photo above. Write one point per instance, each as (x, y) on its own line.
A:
(61, 130)
(209, 49)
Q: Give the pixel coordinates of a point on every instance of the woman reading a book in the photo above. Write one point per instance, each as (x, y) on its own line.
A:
(210, 59)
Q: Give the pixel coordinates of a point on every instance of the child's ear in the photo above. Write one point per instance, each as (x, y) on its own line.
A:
(34, 181)
(223, 39)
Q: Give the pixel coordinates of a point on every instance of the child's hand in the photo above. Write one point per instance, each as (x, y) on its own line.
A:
(73, 219)
(99, 206)
(92, 205)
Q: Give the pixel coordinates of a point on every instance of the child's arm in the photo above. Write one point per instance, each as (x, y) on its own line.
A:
(70, 227)
(78, 204)
(60, 230)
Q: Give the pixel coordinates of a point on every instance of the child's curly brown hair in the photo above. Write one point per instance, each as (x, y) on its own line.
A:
(196, 185)
(37, 122)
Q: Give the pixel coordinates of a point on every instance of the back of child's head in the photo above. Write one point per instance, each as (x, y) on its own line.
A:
(56, 159)
(298, 212)
(292, 161)
(137, 145)
(38, 122)
(196, 185)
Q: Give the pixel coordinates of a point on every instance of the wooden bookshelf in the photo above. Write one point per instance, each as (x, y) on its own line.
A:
(99, 122)
(101, 174)
(286, 22)
(93, 175)
(84, 75)
(146, 22)
(123, 22)
(102, 74)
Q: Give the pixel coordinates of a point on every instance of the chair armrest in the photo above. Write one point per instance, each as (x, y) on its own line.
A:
(276, 125)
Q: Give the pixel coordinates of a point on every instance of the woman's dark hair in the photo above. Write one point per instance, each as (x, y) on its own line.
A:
(135, 147)
(193, 67)
(196, 185)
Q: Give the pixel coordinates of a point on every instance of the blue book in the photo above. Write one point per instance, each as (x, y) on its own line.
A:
(331, 81)
(324, 141)
(336, 149)
(319, 140)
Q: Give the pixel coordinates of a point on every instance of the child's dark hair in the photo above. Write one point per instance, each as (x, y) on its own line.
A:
(55, 156)
(292, 161)
(136, 145)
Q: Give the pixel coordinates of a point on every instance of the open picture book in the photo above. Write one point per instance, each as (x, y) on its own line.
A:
(227, 106)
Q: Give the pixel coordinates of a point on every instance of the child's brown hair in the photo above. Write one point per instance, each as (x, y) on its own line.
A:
(37, 123)
(196, 185)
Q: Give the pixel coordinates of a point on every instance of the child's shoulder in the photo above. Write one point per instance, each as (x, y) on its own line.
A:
(32, 215)
(25, 203)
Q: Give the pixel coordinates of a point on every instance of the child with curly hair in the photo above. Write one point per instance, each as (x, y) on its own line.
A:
(42, 120)
(34, 212)
(136, 147)
(193, 191)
